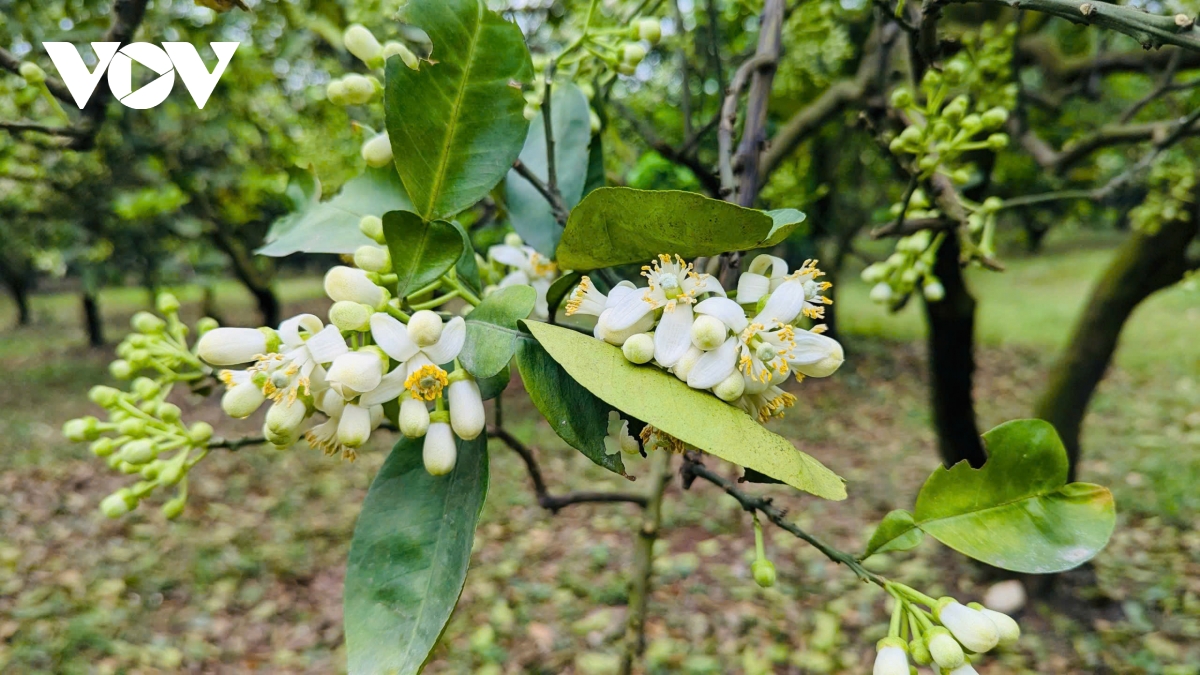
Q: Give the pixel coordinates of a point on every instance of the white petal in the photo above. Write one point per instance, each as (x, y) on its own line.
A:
(707, 283)
(726, 310)
(751, 287)
(392, 337)
(619, 291)
(541, 308)
(355, 426)
(231, 346)
(518, 278)
(784, 305)
(416, 363)
(628, 310)
(673, 335)
(508, 255)
(768, 266)
(714, 366)
(450, 344)
(326, 345)
(439, 451)
(466, 409)
(289, 330)
(355, 373)
(390, 387)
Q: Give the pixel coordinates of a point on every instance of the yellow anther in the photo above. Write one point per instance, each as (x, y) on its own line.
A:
(426, 382)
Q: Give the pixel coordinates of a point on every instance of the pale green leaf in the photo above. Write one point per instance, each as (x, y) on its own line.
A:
(896, 532)
(694, 417)
(492, 330)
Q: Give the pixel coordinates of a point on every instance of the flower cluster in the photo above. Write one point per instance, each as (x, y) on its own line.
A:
(742, 346)
(908, 268)
(947, 636)
(144, 434)
(369, 354)
(515, 264)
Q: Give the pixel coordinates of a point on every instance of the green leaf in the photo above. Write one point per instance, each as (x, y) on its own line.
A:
(575, 414)
(457, 124)
(529, 211)
(332, 226)
(595, 173)
(409, 556)
(491, 387)
(559, 290)
(617, 225)
(492, 330)
(784, 222)
(421, 251)
(467, 267)
(1017, 512)
(896, 532)
(694, 417)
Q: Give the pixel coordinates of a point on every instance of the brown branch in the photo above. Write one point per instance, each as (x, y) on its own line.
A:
(235, 444)
(728, 123)
(554, 503)
(708, 180)
(754, 129)
(643, 560)
(21, 127)
(552, 197)
(1161, 88)
(1058, 161)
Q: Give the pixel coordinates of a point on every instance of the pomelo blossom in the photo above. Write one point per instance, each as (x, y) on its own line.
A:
(424, 345)
(763, 276)
(891, 657)
(587, 300)
(529, 268)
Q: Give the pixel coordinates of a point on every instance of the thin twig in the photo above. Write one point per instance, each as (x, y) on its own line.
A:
(21, 126)
(728, 124)
(643, 560)
(555, 200)
(235, 444)
(555, 503)
(1163, 87)
(548, 123)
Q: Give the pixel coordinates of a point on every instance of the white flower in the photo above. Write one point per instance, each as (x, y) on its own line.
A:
(764, 275)
(231, 346)
(760, 349)
(767, 403)
(618, 438)
(971, 628)
(531, 269)
(673, 287)
(424, 377)
(439, 452)
(1009, 629)
(298, 369)
(348, 283)
(356, 372)
(815, 354)
(466, 407)
(891, 659)
(587, 300)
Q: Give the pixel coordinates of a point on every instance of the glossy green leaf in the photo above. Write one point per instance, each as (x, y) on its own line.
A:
(1017, 512)
(595, 173)
(784, 222)
(528, 210)
(617, 225)
(491, 387)
(421, 251)
(467, 267)
(409, 556)
(492, 334)
(896, 532)
(332, 226)
(457, 124)
(694, 417)
(575, 414)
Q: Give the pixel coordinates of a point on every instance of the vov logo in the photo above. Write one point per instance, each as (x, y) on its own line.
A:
(171, 58)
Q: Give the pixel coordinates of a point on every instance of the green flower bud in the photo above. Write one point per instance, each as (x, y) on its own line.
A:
(149, 407)
(992, 204)
(954, 72)
(902, 97)
(359, 89)
(200, 432)
(956, 109)
(393, 48)
(639, 348)
(594, 121)
(632, 53)
(920, 652)
(120, 369)
(118, 504)
(139, 452)
(348, 315)
(881, 292)
(362, 44)
(335, 91)
(103, 396)
(206, 324)
(169, 412)
(151, 470)
(626, 68)
(649, 30)
(994, 118)
(146, 387)
(874, 273)
(174, 508)
(372, 227)
(927, 163)
(81, 429)
(132, 427)
(998, 142)
(513, 239)
(972, 124)
(944, 649)
(32, 72)
(171, 473)
(731, 388)
(764, 572)
(103, 447)
(377, 151)
(167, 303)
(933, 290)
(373, 259)
(931, 81)
(145, 322)
(708, 332)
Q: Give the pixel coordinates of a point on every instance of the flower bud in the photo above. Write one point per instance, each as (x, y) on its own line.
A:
(394, 48)
(354, 428)
(200, 432)
(971, 124)
(373, 259)
(171, 474)
(920, 652)
(139, 452)
(530, 112)
(81, 429)
(955, 110)
(414, 417)
(639, 348)
(335, 91)
(649, 30)
(348, 283)
(372, 227)
(708, 332)
(425, 328)
(994, 118)
(132, 427)
(174, 508)
(817, 355)
(206, 324)
(874, 273)
(284, 418)
(997, 142)
(103, 396)
(359, 90)
(931, 80)
(377, 151)
(971, 628)
(684, 365)
(731, 388)
(146, 387)
(902, 98)
(120, 369)
(594, 121)
(632, 53)
(103, 447)
(167, 303)
(944, 649)
(964, 669)
(891, 657)
(242, 400)
(348, 315)
(934, 291)
(362, 44)
(169, 412)
(1008, 629)
(466, 408)
(32, 72)
(439, 452)
(764, 572)
(231, 346)
(118, 504)
(145, 322)
(881, 292)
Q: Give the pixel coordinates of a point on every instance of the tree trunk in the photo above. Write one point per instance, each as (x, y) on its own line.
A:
(1144, 264)
(952, 361)
(18, 287)
(254, 279)
(92, 319)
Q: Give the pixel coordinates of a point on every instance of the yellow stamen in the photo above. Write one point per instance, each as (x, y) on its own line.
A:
(578, 294)
(426, 383)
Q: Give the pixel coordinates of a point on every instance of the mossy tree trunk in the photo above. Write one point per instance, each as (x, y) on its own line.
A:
(1143, 265)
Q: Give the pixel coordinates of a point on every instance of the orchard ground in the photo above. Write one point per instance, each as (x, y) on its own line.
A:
(249, 578)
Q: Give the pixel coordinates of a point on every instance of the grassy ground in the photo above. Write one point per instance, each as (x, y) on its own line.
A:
(249, 579)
